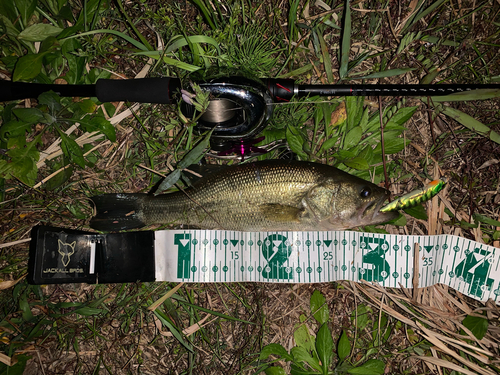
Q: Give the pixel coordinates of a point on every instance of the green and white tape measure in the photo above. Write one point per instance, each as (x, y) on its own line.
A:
(313, 257)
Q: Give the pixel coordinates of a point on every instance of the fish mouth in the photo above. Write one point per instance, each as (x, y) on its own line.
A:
(373, 215)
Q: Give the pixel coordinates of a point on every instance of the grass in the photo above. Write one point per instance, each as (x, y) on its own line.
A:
(90, 329)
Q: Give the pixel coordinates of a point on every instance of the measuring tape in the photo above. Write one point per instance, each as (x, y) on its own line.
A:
(315, 257)
(60, 255)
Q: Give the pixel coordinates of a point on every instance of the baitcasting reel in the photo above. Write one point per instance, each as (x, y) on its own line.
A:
(239, 108)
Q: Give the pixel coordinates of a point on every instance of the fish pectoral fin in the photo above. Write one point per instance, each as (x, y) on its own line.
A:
(280, 213)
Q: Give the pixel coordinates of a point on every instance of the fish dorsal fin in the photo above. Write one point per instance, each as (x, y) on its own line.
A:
(280, 213)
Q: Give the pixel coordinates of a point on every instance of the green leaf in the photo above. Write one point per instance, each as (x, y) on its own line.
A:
(344, 155)
(190, 158)
(180, 41)
(297, 72)
(196, 153)
(370, 367)
(353, 137)
(275, 349)
(60, 178)
(176, 332)
(169, 181)
(324, 346)
(206, 14)
(477, 325)
(357, 163)
(13, 129)
(98, 123)
(88, 311)
(5, 169)
(343, 347)
(31, 115)
(38, 32)
(486, 220)
(366, 153)
(439, 41)
(24, 157)
(319, 307)
(300, 354)
(326, 58)
(386, 73)
(354, 109)
(9, 28)
(391, 145)
(213, 312)
(303, 338)
(274, 370)
(401, 116)
(346, 41)
(423, 13)
(299, 370)
(157, 55)
(28, 67)
(26, 8)
(471, 123)
(119, 34)
(418, 212)
(480, 94)
(87, 106)
(400, 221)
(295, 141)
(429, 77)
(364, 120)
(71, 149)
(328, 144)
(51, 100)
(362, 318)
(76, 210)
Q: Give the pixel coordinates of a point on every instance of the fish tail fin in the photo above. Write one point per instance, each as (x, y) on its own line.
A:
(117, 212)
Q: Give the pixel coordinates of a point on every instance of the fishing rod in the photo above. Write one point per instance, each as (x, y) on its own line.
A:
(239, 105)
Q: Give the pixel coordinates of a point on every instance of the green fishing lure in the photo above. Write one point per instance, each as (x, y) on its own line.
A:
(415, 197)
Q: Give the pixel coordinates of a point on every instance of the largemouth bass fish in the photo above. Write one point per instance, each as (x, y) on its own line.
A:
(275, 195)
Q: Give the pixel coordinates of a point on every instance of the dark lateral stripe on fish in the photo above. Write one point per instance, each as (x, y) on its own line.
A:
(117, 212)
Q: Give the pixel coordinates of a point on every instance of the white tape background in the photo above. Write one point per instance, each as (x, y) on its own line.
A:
(311, 257)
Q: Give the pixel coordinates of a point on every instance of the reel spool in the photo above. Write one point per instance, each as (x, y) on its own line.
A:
(239, 108)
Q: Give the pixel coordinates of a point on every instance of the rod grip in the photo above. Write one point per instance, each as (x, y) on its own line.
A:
(22, 90)
(143, 90)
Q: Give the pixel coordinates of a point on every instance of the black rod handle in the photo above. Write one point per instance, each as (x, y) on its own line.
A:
(21, 90)
(144, 90)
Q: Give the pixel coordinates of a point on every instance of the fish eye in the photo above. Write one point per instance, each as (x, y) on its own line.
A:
(366, 192)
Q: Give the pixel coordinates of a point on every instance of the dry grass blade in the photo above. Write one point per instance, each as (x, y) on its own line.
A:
(9, 283)
(442, 363)
(6, 359)
(432, 337)
(188, 331)
(167, 295)
(8, 244)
